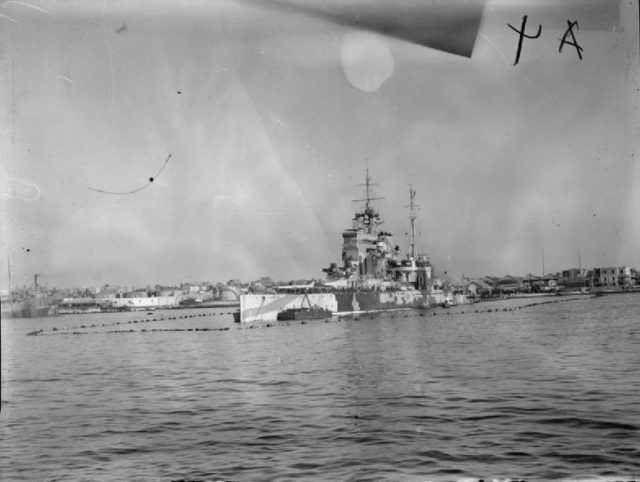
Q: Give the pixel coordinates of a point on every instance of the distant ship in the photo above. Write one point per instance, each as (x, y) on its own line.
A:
(373, 276)
(32, 306)
(27, 303)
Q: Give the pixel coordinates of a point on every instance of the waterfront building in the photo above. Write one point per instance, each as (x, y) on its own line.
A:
(573, 274)
(532, 283)
(478, 288)
(574, 278)
(510, 284)
(550, 281)
(614, 277)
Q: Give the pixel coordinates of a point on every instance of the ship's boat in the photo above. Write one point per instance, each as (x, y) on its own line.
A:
(304, 312)
(373, 276)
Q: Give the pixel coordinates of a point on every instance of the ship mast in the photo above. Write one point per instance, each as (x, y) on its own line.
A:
(367, 185)
(412, 218)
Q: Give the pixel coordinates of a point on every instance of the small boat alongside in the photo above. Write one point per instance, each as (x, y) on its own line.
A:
(304, 312)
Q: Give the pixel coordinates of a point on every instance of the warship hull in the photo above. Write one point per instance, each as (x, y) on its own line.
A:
(265, 307)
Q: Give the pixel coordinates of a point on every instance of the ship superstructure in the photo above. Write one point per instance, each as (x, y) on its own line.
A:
(366, 249)
(371, 258)
(414, 269)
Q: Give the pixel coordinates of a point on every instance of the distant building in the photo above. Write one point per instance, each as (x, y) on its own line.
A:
(142, 293)
(573, 273)
(574, 278)
(267, 282)
(478, 288)
(532, 283)
(549, 282)
(510, 284)
(109, 291)
(614, 277)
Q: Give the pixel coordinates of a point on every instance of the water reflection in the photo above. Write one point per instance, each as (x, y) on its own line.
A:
(547, 391)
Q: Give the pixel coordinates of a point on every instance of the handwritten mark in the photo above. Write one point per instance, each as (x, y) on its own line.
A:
(151, 179)
(573, 42)
(563, 41)
(523, 36)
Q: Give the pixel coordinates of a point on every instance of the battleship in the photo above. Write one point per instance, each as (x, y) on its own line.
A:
(373, 277)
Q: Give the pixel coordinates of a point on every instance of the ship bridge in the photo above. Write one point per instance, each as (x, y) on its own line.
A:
(366, 249)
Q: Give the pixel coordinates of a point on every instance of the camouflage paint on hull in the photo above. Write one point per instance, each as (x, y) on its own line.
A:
(265, 307)
(363, 301)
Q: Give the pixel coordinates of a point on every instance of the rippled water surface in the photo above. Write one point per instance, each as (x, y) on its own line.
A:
(550, 391)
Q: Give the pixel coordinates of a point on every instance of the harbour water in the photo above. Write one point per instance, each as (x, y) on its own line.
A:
(550, 391)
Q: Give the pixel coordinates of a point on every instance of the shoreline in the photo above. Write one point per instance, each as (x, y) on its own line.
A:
(208, 305)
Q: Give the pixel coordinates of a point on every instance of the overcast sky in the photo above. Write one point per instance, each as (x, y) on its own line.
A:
(270, 116)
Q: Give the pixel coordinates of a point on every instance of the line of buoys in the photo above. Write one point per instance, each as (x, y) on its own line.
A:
(496, 310)
(135, 321)
(143, 330)
(504, 480)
